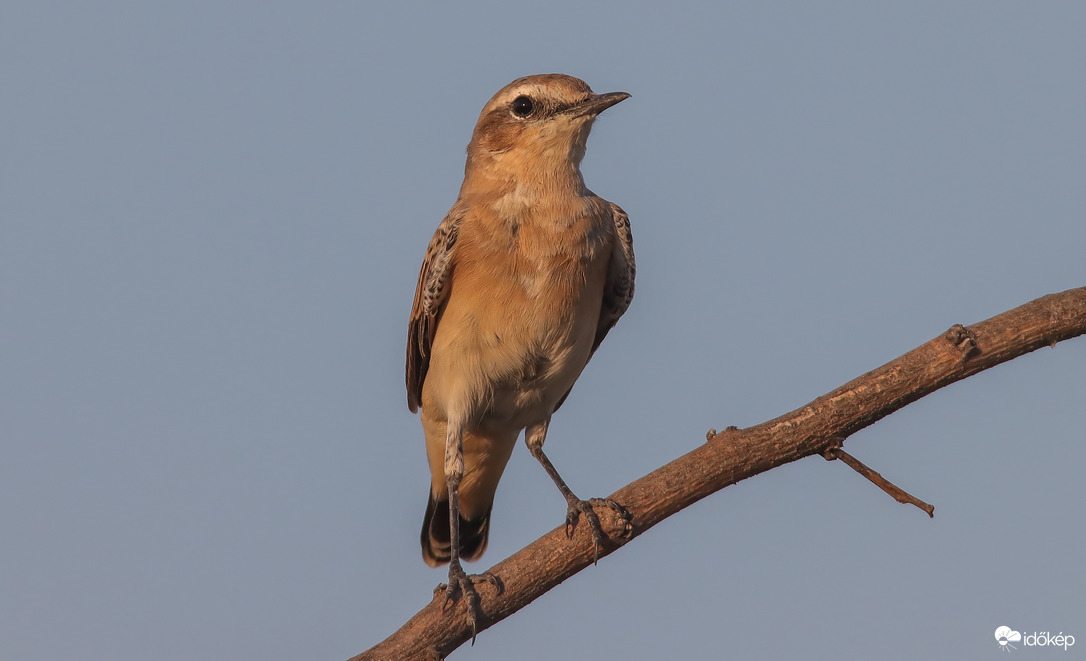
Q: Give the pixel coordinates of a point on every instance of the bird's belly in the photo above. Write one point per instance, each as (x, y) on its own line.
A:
(526, 386)
(505, 354)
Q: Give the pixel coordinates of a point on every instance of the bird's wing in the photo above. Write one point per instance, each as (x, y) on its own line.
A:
(430, 297)
(618, 289)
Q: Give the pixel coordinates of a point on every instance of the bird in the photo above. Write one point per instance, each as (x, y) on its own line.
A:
(521, 282)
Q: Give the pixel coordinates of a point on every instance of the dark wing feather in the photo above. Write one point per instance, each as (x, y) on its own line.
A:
(618, 289)
(430, 296)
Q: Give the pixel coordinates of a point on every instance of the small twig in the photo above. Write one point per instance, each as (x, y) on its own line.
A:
(899, 494)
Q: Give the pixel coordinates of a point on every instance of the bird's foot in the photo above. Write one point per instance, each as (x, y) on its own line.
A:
(577, 507)
(463, 583)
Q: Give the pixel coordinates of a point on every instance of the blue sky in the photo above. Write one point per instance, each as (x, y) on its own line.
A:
(211, 222)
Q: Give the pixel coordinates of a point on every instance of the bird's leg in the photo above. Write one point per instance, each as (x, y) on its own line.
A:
(534, 437)
(459, 580)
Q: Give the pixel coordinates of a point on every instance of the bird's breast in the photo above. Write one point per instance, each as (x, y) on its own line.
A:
(521, 316)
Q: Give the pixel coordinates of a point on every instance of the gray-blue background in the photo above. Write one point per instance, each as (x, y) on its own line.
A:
(211, 221)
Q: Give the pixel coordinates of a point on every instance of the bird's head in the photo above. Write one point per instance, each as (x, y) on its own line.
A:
(537, 125)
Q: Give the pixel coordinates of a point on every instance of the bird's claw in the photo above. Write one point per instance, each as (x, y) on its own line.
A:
(462, 583)
(577, 507)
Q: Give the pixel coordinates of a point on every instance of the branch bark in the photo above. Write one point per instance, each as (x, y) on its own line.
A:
(736, 454)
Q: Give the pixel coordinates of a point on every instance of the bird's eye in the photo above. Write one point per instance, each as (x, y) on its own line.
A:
(523, 106)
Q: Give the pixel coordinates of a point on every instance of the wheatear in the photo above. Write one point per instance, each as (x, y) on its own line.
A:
(520, 284)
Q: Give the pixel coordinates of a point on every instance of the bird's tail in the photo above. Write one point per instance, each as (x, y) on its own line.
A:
(435, 538)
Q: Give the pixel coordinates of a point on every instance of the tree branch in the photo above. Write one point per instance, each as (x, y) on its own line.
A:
(818, 428)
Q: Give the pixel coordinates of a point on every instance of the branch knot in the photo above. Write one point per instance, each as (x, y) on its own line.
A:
(964, 339)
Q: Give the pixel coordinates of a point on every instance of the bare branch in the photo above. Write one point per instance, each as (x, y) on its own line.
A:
(899, 494)
(736, 454)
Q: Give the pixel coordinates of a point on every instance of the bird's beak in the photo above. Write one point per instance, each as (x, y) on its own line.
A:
(597, 103)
